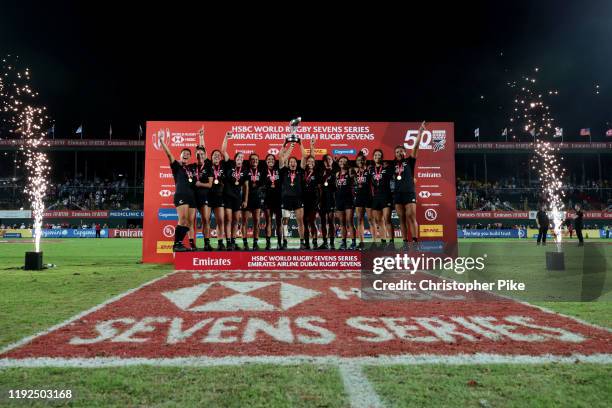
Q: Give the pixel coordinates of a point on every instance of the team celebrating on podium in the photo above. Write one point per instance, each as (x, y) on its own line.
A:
(238, 192)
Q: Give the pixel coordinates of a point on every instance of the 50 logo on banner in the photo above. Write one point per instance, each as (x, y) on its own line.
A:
(432, 140)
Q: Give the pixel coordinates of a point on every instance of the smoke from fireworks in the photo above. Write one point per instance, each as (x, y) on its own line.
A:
(532, 114)
(23, 117)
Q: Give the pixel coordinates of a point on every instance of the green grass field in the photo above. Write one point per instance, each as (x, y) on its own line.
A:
(90, 271)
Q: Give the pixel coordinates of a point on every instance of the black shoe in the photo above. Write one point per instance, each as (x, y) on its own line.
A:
(221, 246)
(405, 246)
(306, 245)
(361, 246)
(342, 247)
(246, 247)
(303, 246)
(255, 246)
(279, 247)
(235, 247)
(229, 247)
(323, 246)
(207, 247)
(285, 244)
(179, 248)
(332, 247)
(353, 246)
(268, 245)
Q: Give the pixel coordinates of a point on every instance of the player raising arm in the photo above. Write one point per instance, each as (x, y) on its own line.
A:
(184, 198)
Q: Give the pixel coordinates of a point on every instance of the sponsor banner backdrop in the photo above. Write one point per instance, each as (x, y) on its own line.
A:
(75, 214)
(12, 232)
(529, 145)
(125, 214)
(267, 261)
(124, 233)
(499, 233)
(435, 169)
(586, 233)
(73, 233)
(15, 214)
(525, 215)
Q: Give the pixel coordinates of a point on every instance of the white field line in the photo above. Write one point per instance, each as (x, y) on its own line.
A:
(79, 316)
(359, 389)
(407, 359)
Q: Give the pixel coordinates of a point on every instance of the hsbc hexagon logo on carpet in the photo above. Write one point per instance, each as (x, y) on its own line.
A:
(318, 314)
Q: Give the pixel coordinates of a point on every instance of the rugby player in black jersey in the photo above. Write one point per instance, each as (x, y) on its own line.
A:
(204, 181)
(404, 189)
(256, 180)
(292, 186)
(327, 201)
(235, 192)
(272, 201)
(184, 198)
(382, 201)
(344, 202)
(311, 198)
(362, 197)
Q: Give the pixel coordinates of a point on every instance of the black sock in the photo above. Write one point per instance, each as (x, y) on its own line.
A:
(219, 242)
(179, 233)
(191, 243)
(301, 242)
(391, 240)
(228, 241)
(415, 240)
(325, 241)
(384, 241)
(244, 241)
(207, 241)
(344, 241)
(405, 240)
(267, 240)
(233, 240)
(354, 241)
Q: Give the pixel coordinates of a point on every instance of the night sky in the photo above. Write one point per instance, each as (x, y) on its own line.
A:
(111, 63)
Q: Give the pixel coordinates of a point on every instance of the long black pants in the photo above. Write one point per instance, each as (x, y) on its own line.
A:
(542, 234)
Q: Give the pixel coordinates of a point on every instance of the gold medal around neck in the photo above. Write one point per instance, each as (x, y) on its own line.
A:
(190, 180)
(326, 184)
(399, 177)
(216, 181)
(236, 183)
(291, 184)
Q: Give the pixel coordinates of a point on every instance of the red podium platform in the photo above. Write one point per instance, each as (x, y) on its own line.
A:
(289, 260)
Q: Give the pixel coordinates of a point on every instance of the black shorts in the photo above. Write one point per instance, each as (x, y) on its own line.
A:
(404, 198)
(379, 203)
(272, 202)
(291, 203)
(201, 198)
(344, 203)
(184, 198)
(310, 205)
(232, 203)
(255, 202)
(362, 202)
(327, 204)
(215, 201)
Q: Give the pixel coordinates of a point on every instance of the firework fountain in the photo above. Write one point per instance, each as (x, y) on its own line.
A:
(26, 120)
(531, 114)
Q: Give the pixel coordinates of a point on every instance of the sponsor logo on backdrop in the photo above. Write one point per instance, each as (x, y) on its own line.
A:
(365, 151)
(125, 233)
(168, 231)
(344, 151)
(429, 174)
(427, 194)
(165, 193)
(156, 142)
(165, 175)
(126, 214)
(273, 150)
(177, 140)
(432, 140)
(432, 230)
(431, 214)
(164, 247)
